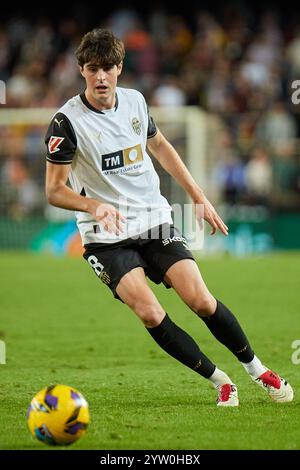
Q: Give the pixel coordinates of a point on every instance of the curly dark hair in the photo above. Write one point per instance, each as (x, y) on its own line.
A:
(100, 47)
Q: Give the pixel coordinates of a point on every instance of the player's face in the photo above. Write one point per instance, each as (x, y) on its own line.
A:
(101, 84)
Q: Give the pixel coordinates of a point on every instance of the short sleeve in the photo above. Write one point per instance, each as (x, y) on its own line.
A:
(60, 140)
(152, 129)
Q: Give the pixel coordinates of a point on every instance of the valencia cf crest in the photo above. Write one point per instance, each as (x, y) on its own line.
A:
(136, 125)
(105, 278)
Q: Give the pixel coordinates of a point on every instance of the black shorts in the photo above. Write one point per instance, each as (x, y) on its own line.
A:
(155, 252)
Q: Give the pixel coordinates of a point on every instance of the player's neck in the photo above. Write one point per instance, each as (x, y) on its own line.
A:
(101, 104)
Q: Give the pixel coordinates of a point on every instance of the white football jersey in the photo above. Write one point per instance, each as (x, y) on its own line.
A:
(109, 162)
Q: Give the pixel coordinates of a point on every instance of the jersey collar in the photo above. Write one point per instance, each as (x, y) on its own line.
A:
(88, 104)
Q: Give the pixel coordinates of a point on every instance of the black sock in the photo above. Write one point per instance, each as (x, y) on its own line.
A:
(225, 327)
(181, 346)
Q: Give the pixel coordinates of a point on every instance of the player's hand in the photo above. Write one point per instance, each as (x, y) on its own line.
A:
(109, 217)
(205, 210)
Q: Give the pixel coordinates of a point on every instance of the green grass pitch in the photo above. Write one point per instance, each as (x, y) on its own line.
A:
(61, 325)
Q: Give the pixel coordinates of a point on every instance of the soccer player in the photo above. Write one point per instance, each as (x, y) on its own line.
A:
(99, 141)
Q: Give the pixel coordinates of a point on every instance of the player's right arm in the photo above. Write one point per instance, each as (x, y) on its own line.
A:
(60, 195)
(61, 146)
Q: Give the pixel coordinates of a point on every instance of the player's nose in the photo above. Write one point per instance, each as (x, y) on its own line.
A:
(100, 75)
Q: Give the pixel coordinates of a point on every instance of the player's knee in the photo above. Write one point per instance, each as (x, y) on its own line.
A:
(150, 314)
(204, 305)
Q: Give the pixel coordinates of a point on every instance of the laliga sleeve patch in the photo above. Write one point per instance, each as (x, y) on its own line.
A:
(54, 142)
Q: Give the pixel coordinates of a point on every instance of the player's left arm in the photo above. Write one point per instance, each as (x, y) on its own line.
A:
(167, 156)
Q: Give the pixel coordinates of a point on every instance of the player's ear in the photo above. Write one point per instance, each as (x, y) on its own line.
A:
(81, 70)
(120, 67)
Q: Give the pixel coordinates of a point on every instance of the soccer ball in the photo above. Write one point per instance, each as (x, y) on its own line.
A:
(58, 415)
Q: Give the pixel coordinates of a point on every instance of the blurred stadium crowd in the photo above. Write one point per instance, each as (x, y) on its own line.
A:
(238, 67)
